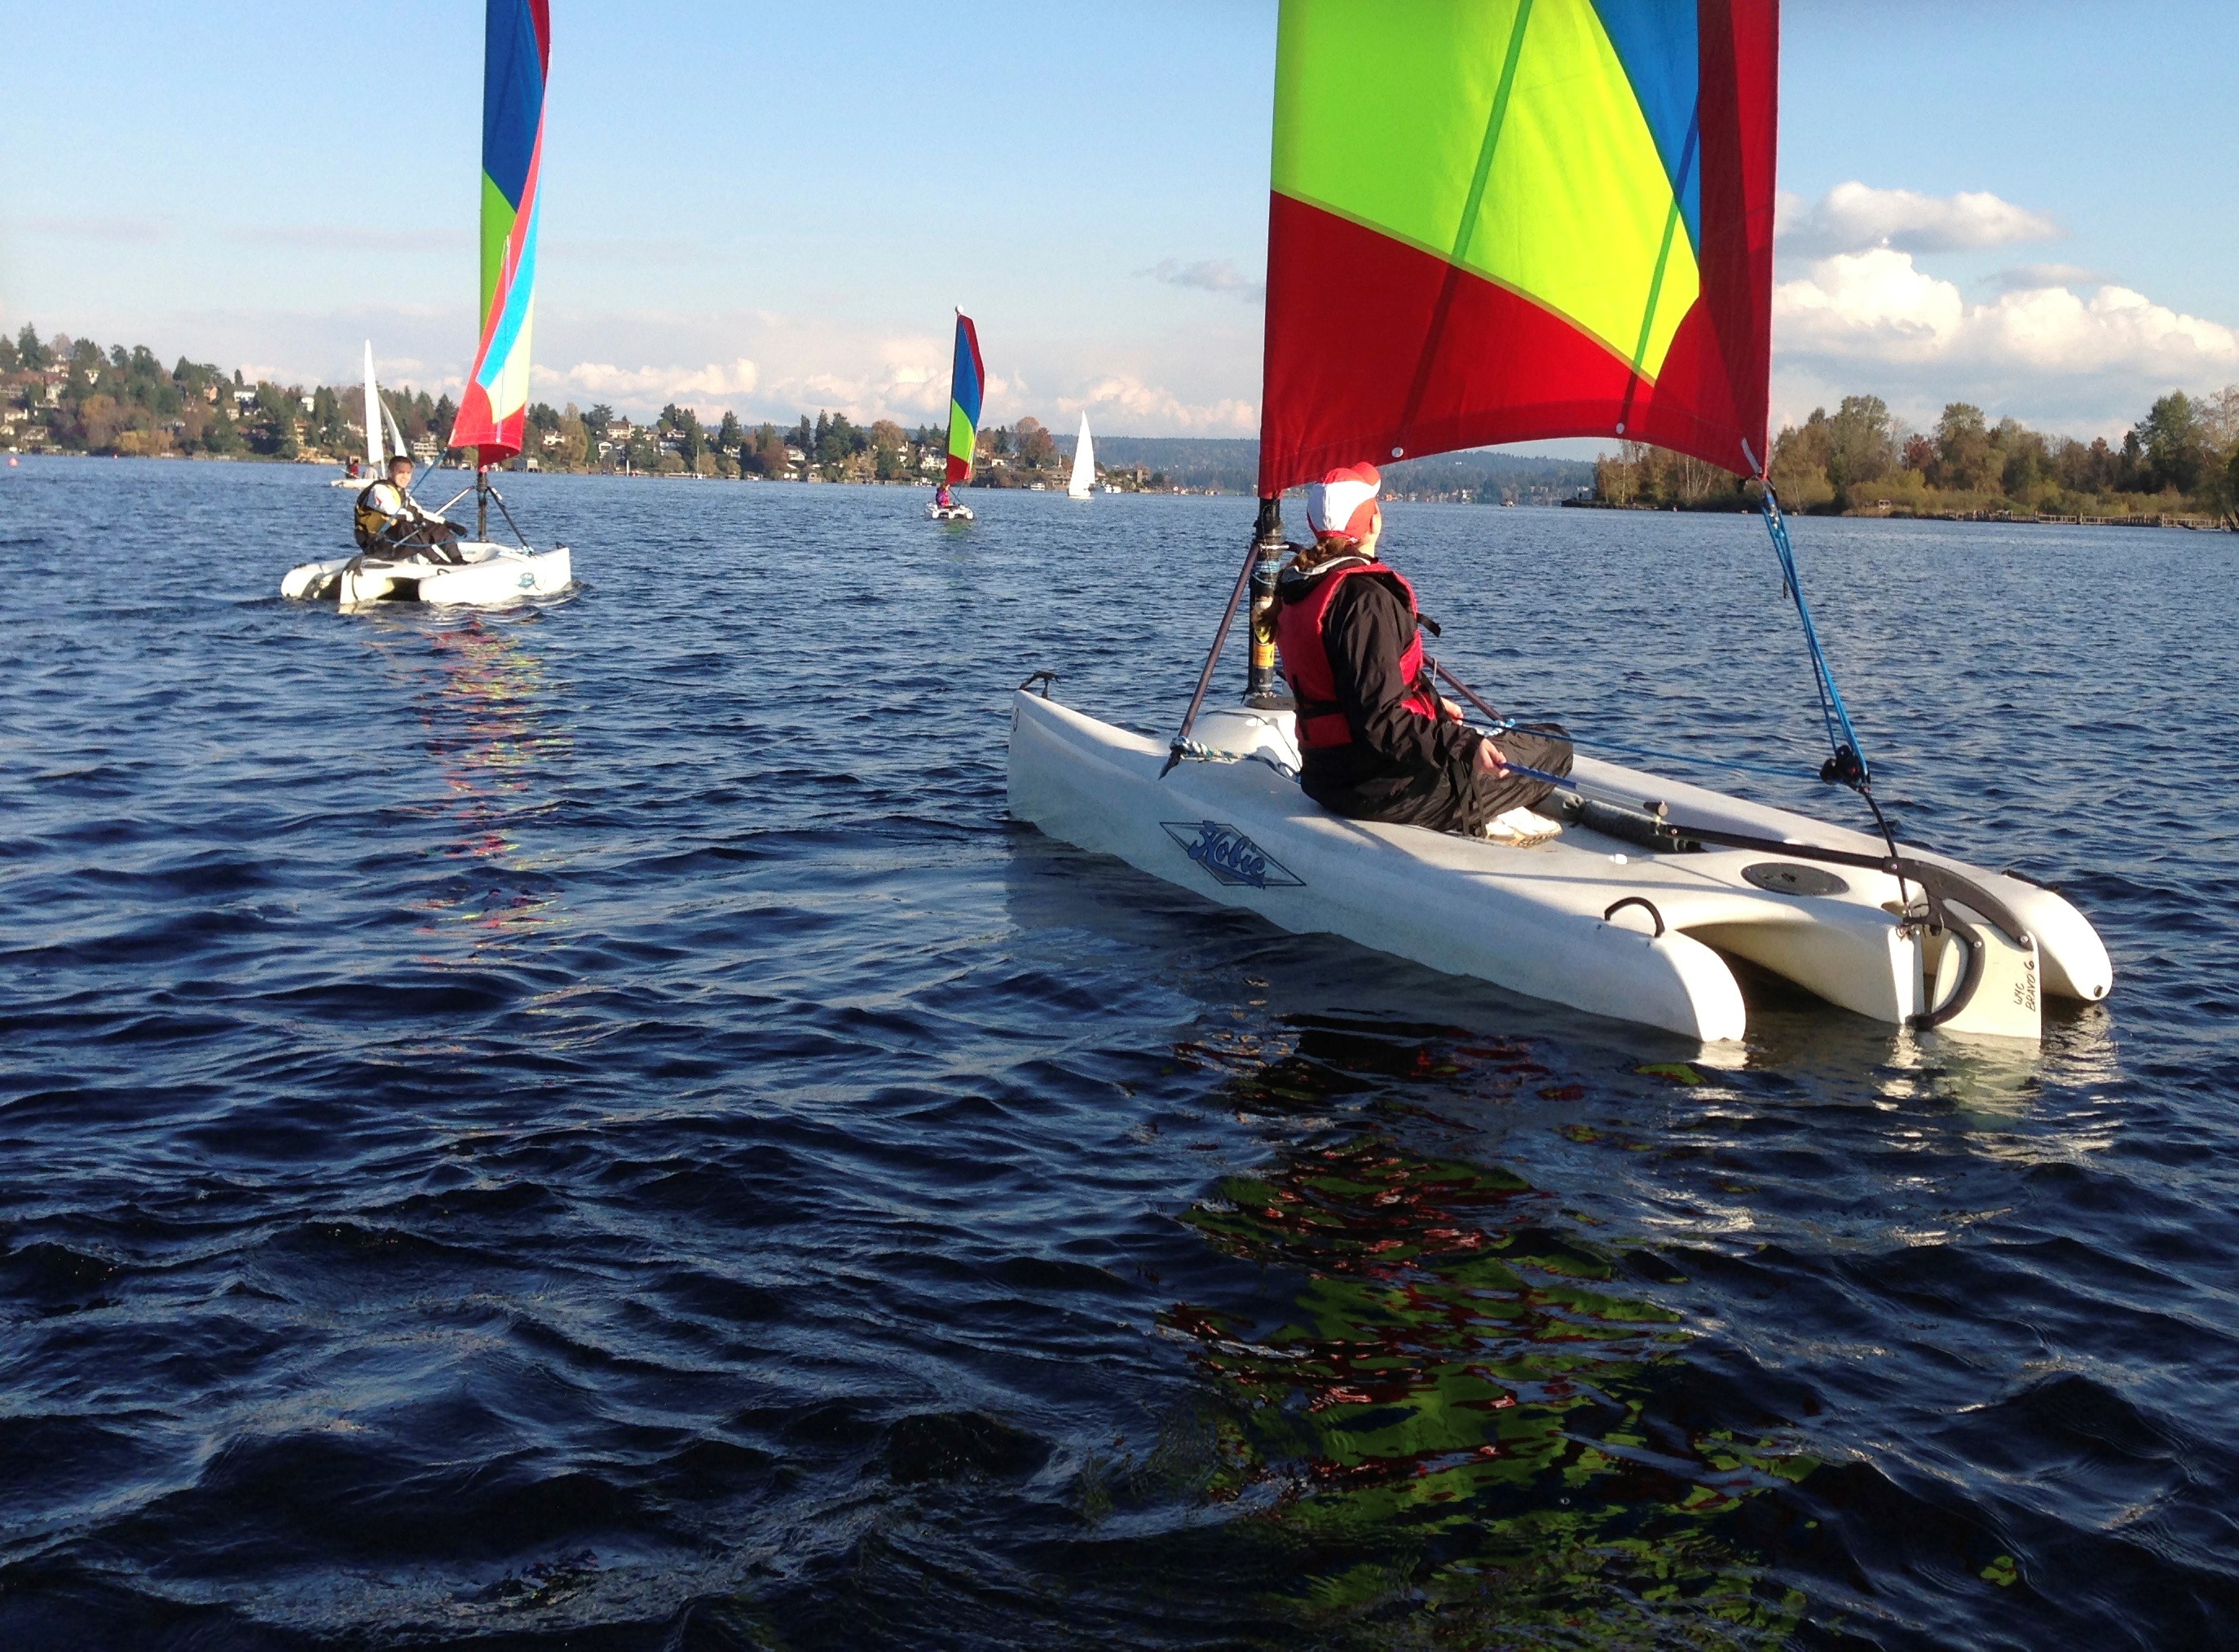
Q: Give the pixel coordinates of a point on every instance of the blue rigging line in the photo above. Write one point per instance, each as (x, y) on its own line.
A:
(1841, 736)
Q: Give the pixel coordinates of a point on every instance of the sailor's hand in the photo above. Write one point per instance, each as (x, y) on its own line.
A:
(1490, 760)
(1452, 713)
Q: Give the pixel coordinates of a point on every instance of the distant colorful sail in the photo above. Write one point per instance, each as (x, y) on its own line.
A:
(966, 382)
(516, 53)
(1509, 220)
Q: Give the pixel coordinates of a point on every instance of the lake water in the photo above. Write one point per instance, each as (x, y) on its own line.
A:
(589, 1127)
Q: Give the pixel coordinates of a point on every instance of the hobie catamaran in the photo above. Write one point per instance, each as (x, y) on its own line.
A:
(516, 53)
(967, 377)
(1531, 220)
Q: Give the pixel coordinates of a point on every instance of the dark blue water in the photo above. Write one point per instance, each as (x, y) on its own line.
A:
(589, 1127)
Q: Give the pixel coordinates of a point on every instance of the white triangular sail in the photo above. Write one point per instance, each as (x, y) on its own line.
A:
(373, 457)
(1084, 464)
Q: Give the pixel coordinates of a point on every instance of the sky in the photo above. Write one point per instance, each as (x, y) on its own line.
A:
(773, 209)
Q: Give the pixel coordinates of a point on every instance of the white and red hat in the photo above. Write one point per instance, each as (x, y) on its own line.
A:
(1342, 505)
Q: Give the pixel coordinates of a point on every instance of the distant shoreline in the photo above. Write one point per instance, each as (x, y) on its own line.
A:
(1726, 507)
(1732, 505)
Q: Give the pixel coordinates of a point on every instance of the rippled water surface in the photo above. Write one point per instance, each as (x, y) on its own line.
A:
(588, 1125)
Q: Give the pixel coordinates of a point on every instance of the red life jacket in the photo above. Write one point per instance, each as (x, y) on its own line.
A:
(1306, 663)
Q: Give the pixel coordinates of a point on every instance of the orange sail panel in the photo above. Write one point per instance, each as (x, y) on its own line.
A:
(1509, 220)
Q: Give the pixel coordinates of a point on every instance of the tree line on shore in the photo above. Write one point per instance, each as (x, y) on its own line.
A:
(62, 395)
(831, 448)
(2181, 459)
(71, 395)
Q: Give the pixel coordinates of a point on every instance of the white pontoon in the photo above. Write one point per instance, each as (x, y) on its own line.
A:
(1611, 916)
(484, 574)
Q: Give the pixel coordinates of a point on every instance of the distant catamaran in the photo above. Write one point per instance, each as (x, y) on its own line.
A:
(966, 382)
(1084, 464)
(517, 46)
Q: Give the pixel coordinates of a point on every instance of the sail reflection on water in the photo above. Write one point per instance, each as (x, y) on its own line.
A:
(491, 727)
(1464, 1414)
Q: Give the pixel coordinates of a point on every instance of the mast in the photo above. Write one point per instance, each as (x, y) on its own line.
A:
(1262, 688)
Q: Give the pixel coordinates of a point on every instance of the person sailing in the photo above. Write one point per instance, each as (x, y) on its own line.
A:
(390, 521)
(944, 497)
(1377, 740)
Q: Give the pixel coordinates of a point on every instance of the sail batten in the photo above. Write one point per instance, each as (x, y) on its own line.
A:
(1509, 220)
(516, 57)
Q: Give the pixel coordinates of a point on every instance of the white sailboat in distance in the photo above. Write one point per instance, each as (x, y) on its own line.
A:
(377, 417)
(1084, 464)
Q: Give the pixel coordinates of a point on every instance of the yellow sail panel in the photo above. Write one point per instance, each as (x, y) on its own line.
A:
(1502, 136)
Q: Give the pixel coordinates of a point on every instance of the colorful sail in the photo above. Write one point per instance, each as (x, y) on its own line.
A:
(966, 381)
(1508, 219)
(516, 52)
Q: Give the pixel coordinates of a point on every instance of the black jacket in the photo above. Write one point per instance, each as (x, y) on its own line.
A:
(1393, 750)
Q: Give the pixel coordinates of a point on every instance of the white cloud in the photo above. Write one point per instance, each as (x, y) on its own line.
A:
(1208, 275)
(1877, 306)
(709, 389)
(798, 367)
(1873, 304)
(2024, 278)
(1122, 402)
(904, 379)
(760, 364)
(1851, 217)
(2085, 360)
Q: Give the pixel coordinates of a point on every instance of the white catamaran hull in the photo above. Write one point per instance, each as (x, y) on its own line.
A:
(952, 514)
(491, 576)
(1582, 920)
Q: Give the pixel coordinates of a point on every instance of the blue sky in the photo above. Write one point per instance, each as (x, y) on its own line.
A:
(773, 209)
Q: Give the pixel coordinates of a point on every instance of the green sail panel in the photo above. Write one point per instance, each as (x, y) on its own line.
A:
(1502, 136)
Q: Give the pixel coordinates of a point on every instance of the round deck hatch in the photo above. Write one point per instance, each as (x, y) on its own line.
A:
(1786, 877)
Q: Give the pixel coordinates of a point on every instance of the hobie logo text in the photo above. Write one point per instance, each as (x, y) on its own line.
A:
(1230, 856)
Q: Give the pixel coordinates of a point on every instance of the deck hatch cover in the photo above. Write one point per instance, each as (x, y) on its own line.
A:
(1786, 877)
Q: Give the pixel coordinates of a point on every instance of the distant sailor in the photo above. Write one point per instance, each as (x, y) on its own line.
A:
(390, 522)
(943, 498)
(1380, 743)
